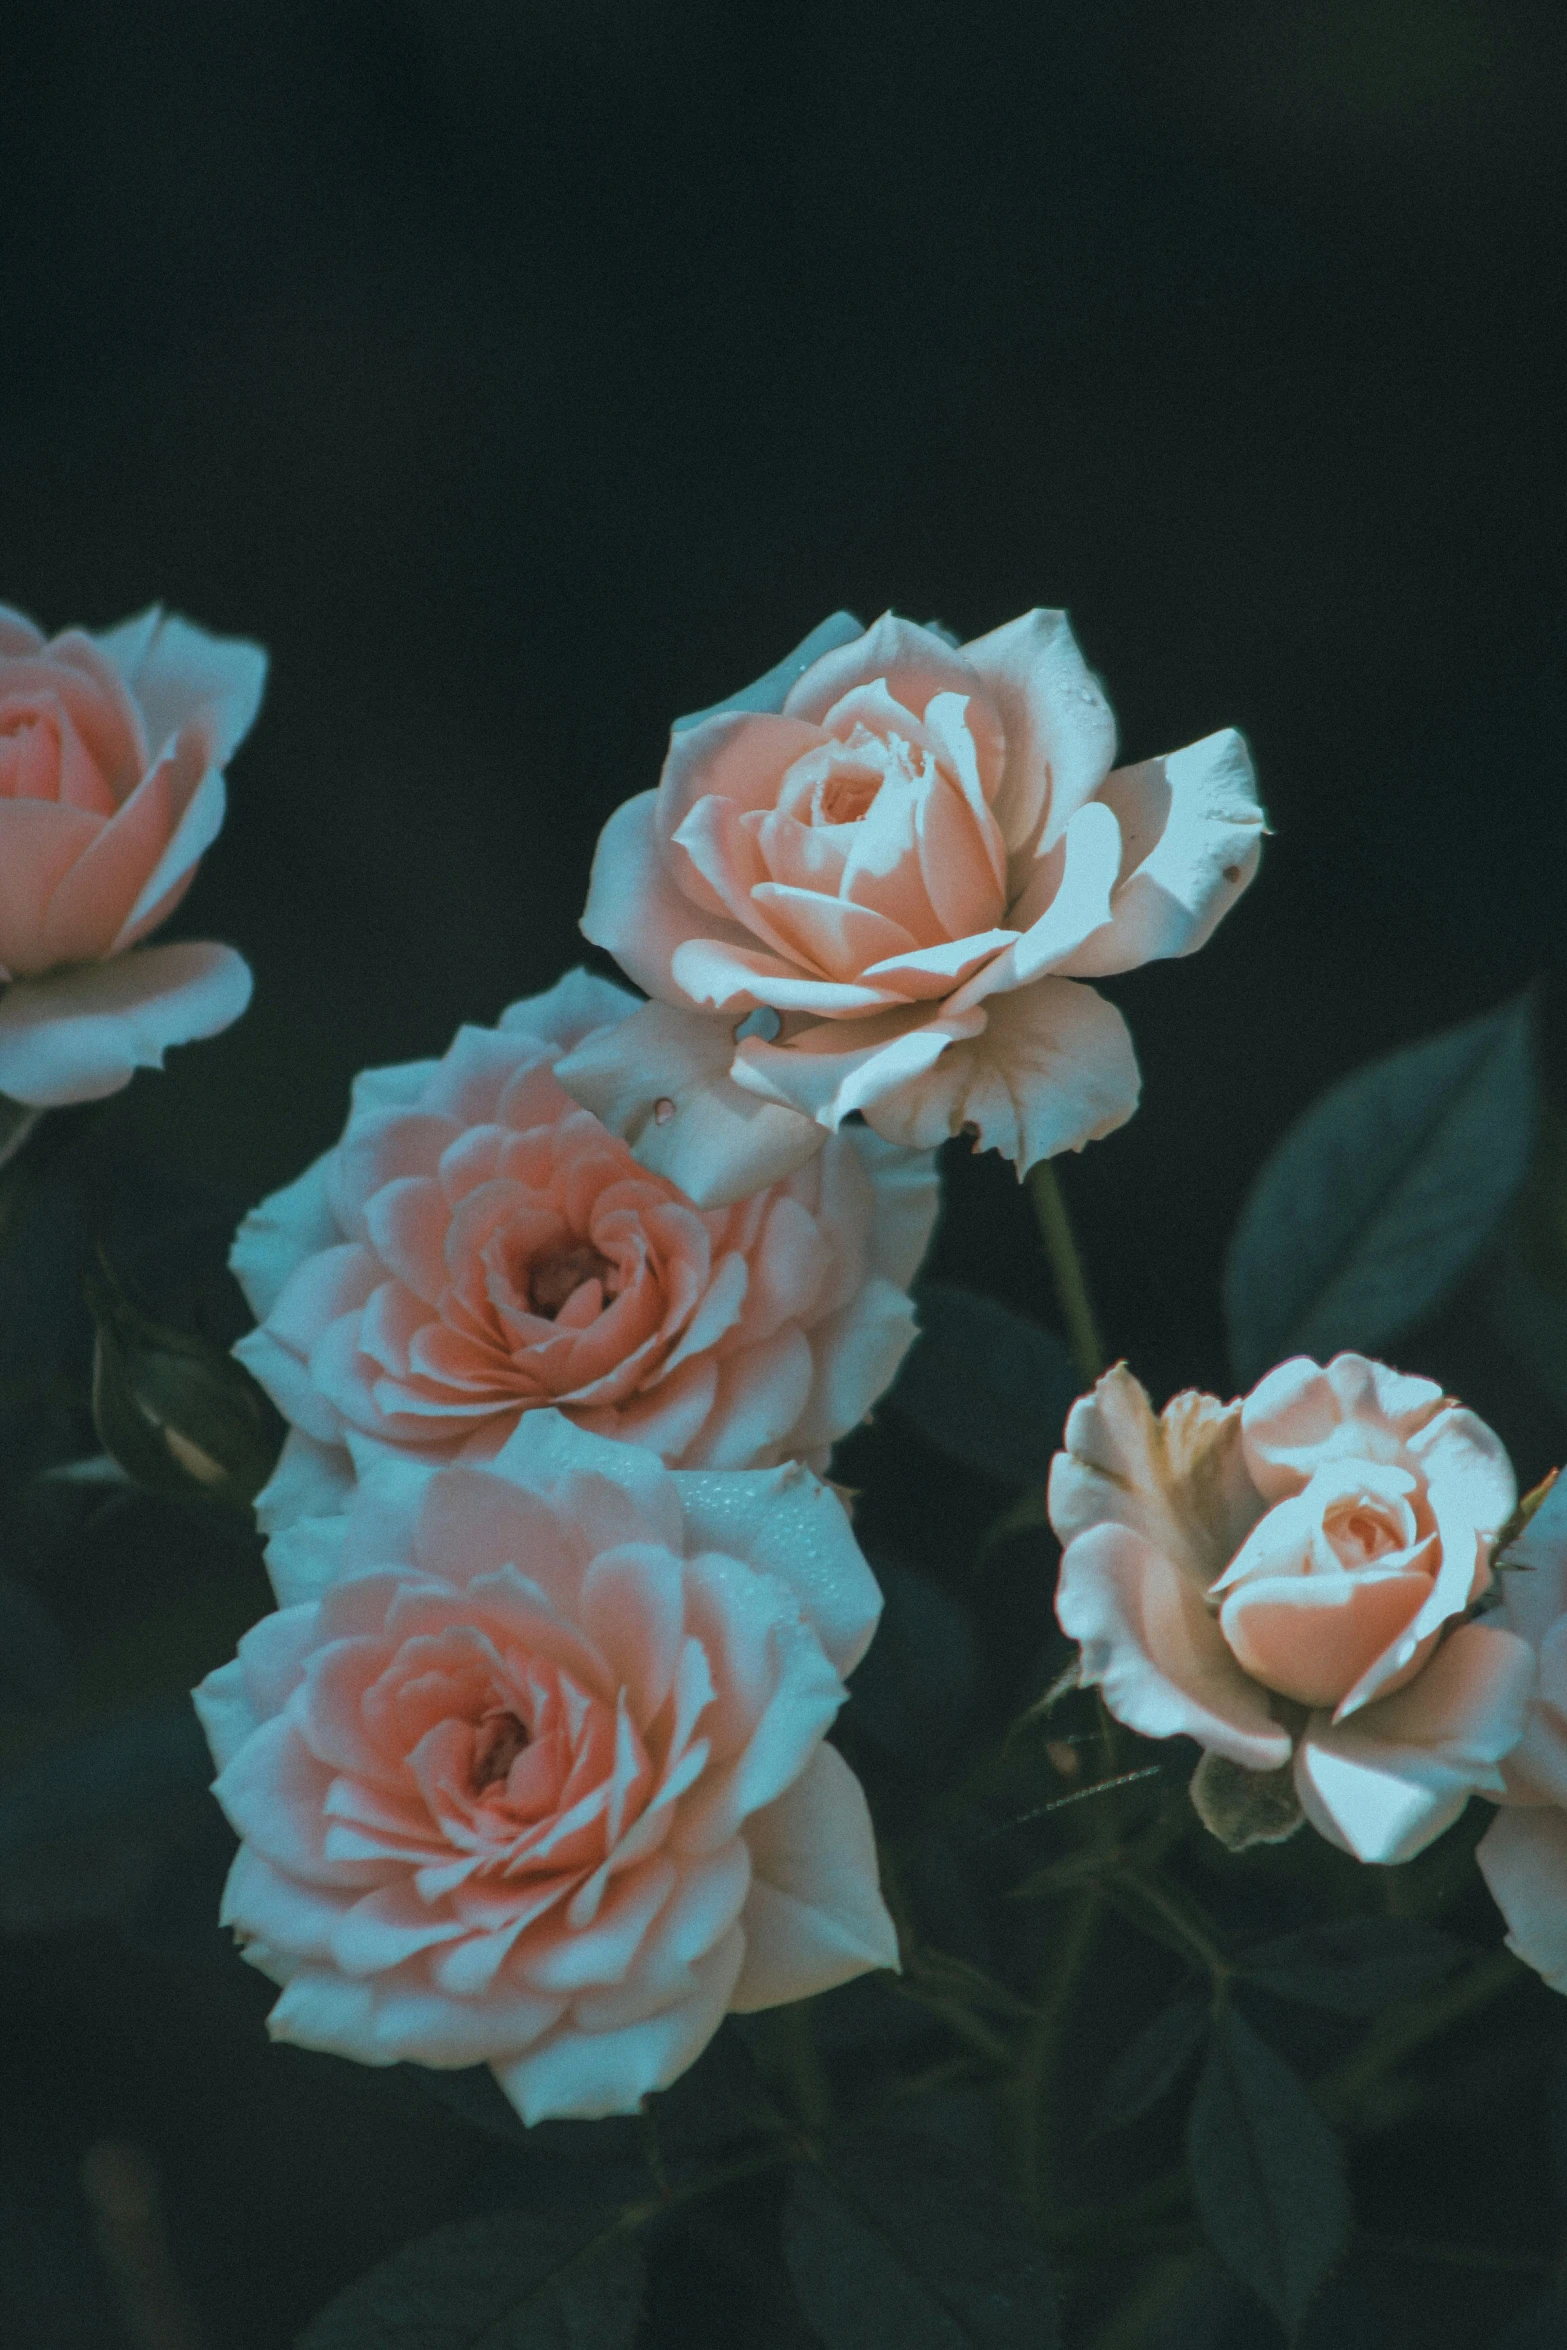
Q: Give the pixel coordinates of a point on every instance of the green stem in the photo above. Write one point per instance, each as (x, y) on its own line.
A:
(1031, 2088)
(1066, 1266)
(1400, 2034)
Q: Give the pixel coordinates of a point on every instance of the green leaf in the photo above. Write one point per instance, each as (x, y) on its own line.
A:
(1266, 2171)
(985, 1385)
(1377, 1203)
(899, 2247)
(512, 2280)
(177, 1412)
(1354, 1966)
(1152, 2064)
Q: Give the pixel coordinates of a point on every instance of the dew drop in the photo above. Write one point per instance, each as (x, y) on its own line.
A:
(663, 1111)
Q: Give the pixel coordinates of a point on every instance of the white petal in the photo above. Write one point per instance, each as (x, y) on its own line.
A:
(814, 1916)
(1523, 1859)
(191, 838)
(1052, 1069)
(660, 1079)
(787, 1523)
(1193, 831)
(80, 1034)
(570, 1010)
(178, 672)
(311, 1480)
(275, 1237)
(1059, 728)
(907, 1192)
(582, 2075)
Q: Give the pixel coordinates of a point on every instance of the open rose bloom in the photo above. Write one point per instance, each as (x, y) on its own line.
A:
(112, 751)
(1523, 1853)
(912, 857)
(538, 1781)
(477, 1247)
(1284, 1579)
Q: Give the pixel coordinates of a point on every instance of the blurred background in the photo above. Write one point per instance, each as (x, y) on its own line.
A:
(525, 372)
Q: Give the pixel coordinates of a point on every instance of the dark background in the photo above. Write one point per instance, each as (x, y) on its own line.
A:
(525, 372)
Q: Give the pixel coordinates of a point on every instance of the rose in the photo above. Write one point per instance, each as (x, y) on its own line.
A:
(538, 1781)
(913, 854)
(1281, 1579)
(112, 751)
(476, 1246)
(1523, 1853)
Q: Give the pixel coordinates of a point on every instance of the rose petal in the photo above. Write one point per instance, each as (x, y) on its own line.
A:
(1060, 734)
(1523, 1859)
(1148, 1639)
(81, 1034)
(584, 2075)
(789, 1525)
(1193, 832)
(814, 1916)
(179, 674)
(1312, 1637)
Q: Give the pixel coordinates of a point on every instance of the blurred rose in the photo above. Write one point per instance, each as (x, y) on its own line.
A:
(1282, 1578)
(1523, 1854)
(914, 854)
(477, 1246)
(539, 1781)
(112, 750)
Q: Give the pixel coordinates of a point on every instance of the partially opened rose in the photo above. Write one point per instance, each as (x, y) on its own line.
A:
(477, 1247)
(1285, 1579)
(914, 855)
(1523, 1853)
(112, 751)
(538, 1780)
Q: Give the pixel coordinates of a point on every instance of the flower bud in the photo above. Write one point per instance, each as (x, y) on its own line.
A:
(176, 1411)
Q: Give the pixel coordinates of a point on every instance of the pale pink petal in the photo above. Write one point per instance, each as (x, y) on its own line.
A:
(1060, 735)
(963, 862)
(830, 935)
(1466, 1462)
(634, 909)
(761, 1393)
(81, 1034)
(1193, 832)
(1523, 1859)
(1302, 1415)
(1392, 1777)
(660, 1080)
(1051, 1069)
(222, 1703)
(607, 1492)
(1312, 1637)
(839, 1066)
(1178, 1477)
(20, 638)
(570, 1010)
(407, 1222)
(1090, 851)
(738, 979)
(39, 843)
(287, 1381)
(789, 1525)
(856, 1356)
(179, 674)
(732, 756)
(473, 1522)
(914, 664)
(198, 824)
(907, 1192)
(814, 1916)
(698, 1915)
(1148, 1640)
(582, 2075)
(398, 2018)
(312, 1479)
(382, 1146)
(292, 1224)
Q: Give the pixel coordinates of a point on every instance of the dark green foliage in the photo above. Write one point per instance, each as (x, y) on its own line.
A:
(1355, 1965)
(985, 1385)
(1152, 2064)
(85, 1823)
(895, 2247)
(1266, 2171)
(1383, 1195)
(512, 2280)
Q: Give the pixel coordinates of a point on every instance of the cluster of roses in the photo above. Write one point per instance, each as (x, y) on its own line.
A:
(529, 1766)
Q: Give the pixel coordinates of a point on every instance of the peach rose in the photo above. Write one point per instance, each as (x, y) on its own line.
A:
(912, 854)
(112, 750)
(476, 1247)
(538, 1781)
(1523, 1853)
(1284, 1578)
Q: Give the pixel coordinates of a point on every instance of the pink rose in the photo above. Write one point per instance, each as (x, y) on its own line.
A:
(1523, 1853)
(1284, 1577)
(476, 1247)
(112, 750)
(538, 1782)
(913, 854)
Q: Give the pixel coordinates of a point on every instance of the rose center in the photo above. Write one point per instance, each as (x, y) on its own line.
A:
(498, 1740)
(1358, 1534)
(845, 799)
(558, 1274)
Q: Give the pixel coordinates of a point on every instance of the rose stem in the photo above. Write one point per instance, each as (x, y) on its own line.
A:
(1066, 1266)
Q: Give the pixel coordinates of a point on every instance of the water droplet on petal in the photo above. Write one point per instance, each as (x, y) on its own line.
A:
(663, 1111)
